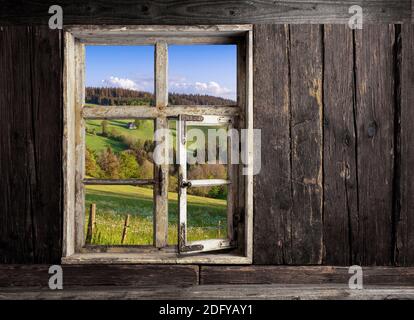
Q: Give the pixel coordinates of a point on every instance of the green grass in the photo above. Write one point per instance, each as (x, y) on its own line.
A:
(113, 203)
(97, 142)
(145, 132)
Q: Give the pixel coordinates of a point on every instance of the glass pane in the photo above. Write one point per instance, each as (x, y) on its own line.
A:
(206, 152)
(114, 207)
(119, 75)
(207, 213)
(203, 74)
(119, 149)
(172, 187)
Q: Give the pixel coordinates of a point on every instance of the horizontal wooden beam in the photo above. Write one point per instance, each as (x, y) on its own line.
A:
(98, 275)
(212, 292)
(151, 40)
(206, 12)
(148, 112)
(209, 182)
(130, 182)
(159, 30)
(303, 275)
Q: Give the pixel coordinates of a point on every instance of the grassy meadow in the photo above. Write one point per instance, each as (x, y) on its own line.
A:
(206, 216)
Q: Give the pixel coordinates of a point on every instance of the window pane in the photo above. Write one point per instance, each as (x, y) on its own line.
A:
(207, 152)
(119, 149)
(113, 204)
(172, 186)
(119, 75)
(207, 213)
(203, 74)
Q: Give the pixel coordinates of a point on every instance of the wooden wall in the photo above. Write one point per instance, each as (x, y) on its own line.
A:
(335, 109)
(30, 145)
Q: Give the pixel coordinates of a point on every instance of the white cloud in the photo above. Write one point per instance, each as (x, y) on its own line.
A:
(142, 84)
(176, 85)
(120, 83)
(212, 88)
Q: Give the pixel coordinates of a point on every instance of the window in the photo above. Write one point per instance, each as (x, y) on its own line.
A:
(156, 213)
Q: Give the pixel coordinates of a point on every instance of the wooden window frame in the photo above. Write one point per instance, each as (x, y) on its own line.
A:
(75, 113)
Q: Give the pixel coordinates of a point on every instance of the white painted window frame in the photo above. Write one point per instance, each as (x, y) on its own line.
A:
(75, 113)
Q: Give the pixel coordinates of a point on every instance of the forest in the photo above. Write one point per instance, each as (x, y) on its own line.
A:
(110, 96)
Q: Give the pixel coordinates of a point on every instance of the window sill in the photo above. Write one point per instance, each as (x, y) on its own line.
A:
(152, 258)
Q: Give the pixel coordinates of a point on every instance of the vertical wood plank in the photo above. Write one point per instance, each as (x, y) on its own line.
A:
(30, 148)
(68, 146)
(375, 143)
(272, 187)
(340, 181)
(161, 126)
(306, 62)
(248, 191)
(405, 235)
(80, 141)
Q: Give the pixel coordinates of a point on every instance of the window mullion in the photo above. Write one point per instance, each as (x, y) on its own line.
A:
(161, 144)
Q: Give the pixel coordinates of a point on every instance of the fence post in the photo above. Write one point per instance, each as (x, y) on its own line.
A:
(124, 231)
(219, 229)
(91, 223)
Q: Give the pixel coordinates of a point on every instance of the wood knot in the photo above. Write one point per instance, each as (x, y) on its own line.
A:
(372, 129)
(145, 9)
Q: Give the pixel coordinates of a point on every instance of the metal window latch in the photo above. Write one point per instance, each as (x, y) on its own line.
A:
(186, 184)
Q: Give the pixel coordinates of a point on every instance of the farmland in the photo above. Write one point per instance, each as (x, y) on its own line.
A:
(122, 149)
(113, 203)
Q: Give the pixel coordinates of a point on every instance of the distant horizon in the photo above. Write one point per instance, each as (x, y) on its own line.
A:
(193, 69)
(152, 93)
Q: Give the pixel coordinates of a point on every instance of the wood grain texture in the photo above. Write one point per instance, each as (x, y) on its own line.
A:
(303, 275)
(375, 131)
(272, 186)
(405, 231)
(340, 180)
(288, 110)
(212, 292)
(205, 12)
(306, 65)
(30, 145)
(99, 275)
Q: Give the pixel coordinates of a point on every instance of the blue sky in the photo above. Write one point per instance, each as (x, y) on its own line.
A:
(203, 69)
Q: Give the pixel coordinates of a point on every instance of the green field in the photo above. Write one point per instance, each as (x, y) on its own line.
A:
(97, 142)
(206, 216)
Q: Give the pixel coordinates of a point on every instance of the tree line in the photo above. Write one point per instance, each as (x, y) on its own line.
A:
(111, 96)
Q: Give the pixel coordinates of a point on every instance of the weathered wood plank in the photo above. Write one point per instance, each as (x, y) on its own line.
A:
(127, 112)
(340, 183)
(306, 65)
(272, 187)
(304, 275)
(405, 238)
(113, 182)
(288, 109)
(30, 148)
(215, 292)
(161, 142)
(375, 143)
(206, 12)
(99, 275)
